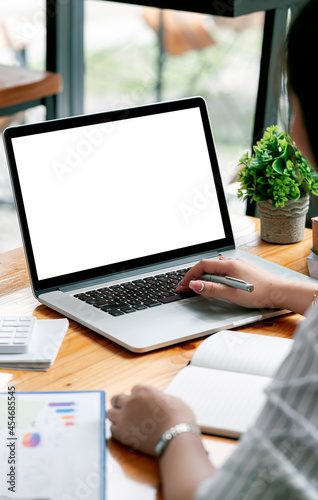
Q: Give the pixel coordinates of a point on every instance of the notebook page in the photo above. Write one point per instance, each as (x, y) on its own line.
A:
(224, 403)
(242, 352)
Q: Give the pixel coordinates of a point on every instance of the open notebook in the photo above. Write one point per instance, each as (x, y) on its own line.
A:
(225, 381)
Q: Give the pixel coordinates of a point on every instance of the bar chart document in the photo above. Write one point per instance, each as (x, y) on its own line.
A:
(52, 445)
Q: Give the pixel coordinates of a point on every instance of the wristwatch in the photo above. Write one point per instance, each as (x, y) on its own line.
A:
(168, 435)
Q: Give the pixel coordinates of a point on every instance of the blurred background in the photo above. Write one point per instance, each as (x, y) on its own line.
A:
(128, 63)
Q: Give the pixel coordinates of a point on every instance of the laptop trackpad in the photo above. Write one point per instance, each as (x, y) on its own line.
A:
(213, 310)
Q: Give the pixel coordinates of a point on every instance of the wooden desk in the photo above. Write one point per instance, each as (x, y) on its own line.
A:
(89, 361)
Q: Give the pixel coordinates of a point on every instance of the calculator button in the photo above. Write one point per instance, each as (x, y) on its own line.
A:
(16, 333)
(6, 329)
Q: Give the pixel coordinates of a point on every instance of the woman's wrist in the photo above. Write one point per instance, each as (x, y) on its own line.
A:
(172, 433)
(296, 296)
(184, 464)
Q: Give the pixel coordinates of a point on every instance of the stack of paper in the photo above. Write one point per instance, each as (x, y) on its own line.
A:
(46, 341)
(312, 261)
(4, 380)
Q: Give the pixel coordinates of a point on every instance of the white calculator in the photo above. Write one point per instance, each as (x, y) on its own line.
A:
(16, 333)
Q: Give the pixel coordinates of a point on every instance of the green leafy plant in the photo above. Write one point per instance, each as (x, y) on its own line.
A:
(276, 171)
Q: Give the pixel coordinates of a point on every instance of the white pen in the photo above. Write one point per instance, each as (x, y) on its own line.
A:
(229, 281)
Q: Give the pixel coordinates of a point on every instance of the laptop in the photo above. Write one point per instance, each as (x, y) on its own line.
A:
(114, 207)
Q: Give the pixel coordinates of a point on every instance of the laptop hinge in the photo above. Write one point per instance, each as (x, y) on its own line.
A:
(142, 270)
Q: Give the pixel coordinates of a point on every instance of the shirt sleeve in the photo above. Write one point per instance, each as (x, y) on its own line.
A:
(277, 458)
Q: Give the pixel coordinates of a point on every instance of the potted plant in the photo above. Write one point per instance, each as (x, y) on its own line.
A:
(279, 178)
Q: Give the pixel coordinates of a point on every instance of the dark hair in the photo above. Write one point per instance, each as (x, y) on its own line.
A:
(301, 59)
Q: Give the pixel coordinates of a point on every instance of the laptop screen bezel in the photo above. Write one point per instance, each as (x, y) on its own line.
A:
(97, 118)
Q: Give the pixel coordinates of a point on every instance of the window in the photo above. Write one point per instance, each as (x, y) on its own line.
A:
(22, 42)
(123, 68)
(128, 63)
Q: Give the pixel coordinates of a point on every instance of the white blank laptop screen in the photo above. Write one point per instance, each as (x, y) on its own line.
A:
(111, 192)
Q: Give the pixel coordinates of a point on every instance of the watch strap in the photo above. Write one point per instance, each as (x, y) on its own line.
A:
(171, 433)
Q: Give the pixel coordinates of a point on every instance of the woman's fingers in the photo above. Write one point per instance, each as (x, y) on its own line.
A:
(264, 283)
(211, 266)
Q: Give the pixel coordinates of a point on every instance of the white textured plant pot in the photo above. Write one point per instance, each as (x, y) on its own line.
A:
(283, 225)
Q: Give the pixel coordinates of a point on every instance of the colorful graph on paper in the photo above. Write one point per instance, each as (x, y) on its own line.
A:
(58, 435)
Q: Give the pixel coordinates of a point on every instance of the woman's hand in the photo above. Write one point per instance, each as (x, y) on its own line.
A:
(140, 419)
(268, 290)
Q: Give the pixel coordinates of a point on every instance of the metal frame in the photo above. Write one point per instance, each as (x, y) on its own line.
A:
(48, 102)
(269, 84)
(65, 53)
(270, 77)
(65, 46)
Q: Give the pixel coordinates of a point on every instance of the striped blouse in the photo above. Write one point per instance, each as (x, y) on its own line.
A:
(278, 457)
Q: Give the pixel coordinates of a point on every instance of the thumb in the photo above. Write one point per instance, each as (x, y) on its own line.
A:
(197, 286)
(210, 289)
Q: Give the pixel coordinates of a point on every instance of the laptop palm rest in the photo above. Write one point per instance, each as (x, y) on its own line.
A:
(211, 310)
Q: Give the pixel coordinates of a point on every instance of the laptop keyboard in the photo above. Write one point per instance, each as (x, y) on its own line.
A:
(137, 295)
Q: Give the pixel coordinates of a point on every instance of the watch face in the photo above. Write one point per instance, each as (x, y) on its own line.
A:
(160, 446)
